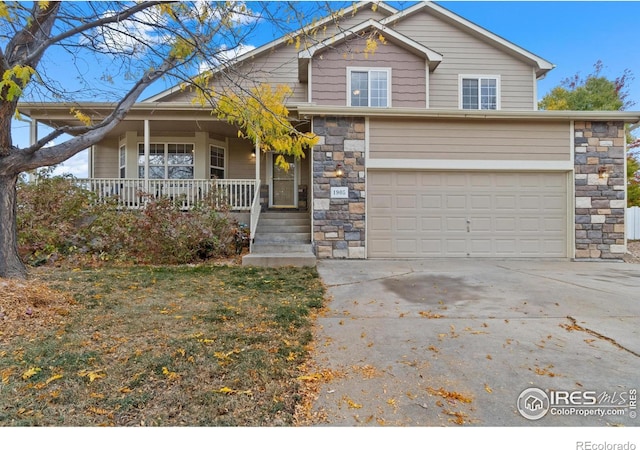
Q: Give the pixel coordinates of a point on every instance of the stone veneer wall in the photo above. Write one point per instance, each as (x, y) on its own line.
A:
(339, 224)
(600, 201)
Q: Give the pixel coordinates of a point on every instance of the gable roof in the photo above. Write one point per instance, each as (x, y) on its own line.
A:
(542, 65)
(351, 10)
(434, 58)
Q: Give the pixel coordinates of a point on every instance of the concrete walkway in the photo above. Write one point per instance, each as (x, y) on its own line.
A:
(445, 342)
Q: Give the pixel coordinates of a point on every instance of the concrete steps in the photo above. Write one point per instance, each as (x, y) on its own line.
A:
(283, 238)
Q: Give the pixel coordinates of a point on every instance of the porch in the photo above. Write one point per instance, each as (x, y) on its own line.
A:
(181, 152)
(134, 193)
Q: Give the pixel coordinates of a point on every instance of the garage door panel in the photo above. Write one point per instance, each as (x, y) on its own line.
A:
(425, 214)
(406, 247)
(431, 247)
(507, 202)
(407, 201)
(407, 224)
(454, 202)
(529, 202)
(481, 202)
(431, 201)
(407, 179)
(505, 224)
(381, 201)
(455, 247)
(432, 224)
(456, 224)
(380, 224)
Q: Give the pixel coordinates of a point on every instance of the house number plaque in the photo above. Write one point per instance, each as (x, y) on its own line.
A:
(339, 192)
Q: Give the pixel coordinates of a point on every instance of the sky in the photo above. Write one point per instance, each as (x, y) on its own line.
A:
(573, 35)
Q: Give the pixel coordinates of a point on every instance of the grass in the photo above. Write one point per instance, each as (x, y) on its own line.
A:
(161, 346)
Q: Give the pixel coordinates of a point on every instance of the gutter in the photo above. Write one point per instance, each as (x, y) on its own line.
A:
(307, 111)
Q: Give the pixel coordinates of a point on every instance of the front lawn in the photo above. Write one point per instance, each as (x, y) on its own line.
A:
(157, 346)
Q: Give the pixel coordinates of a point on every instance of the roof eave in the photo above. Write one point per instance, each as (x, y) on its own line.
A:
(316, 110)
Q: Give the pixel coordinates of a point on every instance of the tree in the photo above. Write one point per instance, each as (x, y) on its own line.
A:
(137, 44)
(597, 93)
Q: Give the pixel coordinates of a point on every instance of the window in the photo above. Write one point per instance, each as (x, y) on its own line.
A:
(122, 156)
(167, 161)
(369, 87)
(479, 92)
(216, 162)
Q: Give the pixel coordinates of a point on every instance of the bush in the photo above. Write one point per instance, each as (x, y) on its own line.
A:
(56, 219)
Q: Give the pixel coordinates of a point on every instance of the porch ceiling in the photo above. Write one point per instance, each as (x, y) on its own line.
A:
(163, 118)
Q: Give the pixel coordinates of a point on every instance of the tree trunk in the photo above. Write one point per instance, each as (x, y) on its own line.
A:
(11, 266)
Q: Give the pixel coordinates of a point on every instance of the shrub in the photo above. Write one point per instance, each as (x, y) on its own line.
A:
(57, 219)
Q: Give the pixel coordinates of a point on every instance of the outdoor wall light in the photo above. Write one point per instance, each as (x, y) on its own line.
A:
(339, 171)
(603, 172)
(253, 153)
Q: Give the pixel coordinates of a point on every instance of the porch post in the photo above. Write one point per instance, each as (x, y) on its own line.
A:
(147, 146)
(33, 138)
(258, 154)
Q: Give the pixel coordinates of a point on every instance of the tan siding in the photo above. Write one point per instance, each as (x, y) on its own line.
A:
(329, 73)
(474, 140)
(280, 65)
(466, 54)
(105, 159)
(240, 165)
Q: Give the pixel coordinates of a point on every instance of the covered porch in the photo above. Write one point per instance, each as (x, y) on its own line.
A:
(182, 152)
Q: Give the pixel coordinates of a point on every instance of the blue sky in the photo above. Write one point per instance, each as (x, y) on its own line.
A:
(573, 35)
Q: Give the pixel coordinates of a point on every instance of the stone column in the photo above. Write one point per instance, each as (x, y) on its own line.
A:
(600, 197)
(338, 223)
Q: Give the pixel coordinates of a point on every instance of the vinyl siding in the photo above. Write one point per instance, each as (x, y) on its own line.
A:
(280, 64)
(105, 159)
(329, 73)
(472, 140)
(466, 54)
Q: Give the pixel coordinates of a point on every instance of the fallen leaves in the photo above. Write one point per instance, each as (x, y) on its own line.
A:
(92, 375)
(27, 308)
(450, 396)
(545, 371)
(430, 315)
(350, 403)
(229, 391)
(30, 372)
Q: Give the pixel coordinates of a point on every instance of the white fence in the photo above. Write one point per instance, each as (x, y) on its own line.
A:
(133, 193)
(633, 223)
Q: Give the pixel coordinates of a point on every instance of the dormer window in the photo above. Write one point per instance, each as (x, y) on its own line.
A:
(369, 87)
(479, 92)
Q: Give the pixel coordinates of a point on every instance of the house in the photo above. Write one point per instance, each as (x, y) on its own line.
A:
(430, 146)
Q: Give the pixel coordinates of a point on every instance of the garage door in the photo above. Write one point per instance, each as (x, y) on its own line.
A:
(415, 214)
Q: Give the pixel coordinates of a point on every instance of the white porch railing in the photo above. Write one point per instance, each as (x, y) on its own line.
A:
(238, 195)
(256, 208)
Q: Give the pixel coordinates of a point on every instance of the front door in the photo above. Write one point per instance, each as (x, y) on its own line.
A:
(284, 192)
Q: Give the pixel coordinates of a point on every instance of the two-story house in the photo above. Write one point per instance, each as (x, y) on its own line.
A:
(430, 146)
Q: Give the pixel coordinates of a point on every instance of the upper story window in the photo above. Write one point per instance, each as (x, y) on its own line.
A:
(167, 161)
(479, 92)
(369, 87)
(216, 162)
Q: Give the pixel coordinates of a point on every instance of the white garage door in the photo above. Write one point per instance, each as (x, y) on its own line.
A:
(414, 214)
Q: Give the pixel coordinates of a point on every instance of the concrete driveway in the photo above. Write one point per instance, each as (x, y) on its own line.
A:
(444, 342)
